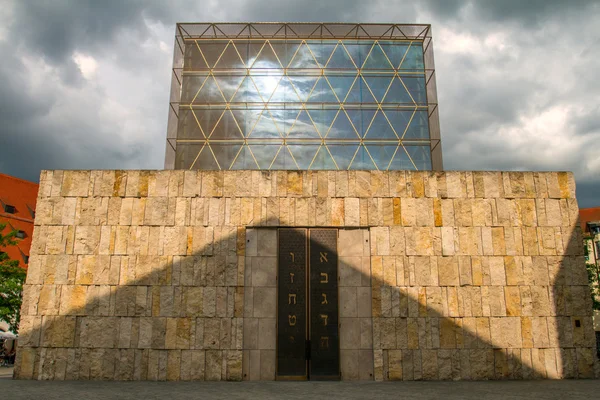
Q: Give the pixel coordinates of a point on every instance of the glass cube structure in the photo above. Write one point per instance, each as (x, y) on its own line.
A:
(300, 96)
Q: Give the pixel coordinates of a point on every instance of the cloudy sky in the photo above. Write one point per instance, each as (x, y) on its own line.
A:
(84, 84)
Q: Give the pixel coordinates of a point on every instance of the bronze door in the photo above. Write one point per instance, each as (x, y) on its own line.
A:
(307, 325)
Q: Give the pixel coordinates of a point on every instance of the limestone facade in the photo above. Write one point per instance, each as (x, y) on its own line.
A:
(171, 275)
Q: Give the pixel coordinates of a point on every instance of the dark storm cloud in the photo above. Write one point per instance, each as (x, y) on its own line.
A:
(55, 28)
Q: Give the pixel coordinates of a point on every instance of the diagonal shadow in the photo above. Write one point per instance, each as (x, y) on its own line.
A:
(90, 315)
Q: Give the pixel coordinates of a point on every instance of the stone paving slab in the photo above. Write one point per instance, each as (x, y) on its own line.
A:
(89, 390)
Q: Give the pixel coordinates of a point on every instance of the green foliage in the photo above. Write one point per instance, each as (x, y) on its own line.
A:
(593, 272)
(12, 278)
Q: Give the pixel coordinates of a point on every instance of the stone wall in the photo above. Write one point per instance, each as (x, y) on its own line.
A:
(142, 274)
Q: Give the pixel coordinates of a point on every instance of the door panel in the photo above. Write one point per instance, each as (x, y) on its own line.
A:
(323, 286)
(291, 303)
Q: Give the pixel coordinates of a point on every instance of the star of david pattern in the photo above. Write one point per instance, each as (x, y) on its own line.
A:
(303, 104)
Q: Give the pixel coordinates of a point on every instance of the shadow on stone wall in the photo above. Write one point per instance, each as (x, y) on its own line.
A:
(181, 319)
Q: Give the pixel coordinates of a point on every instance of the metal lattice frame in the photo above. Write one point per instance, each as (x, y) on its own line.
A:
(268, 33)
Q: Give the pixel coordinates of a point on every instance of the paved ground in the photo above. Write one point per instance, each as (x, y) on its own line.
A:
(10, 389)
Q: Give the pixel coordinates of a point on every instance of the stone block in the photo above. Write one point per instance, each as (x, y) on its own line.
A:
(266, 242)
(349, 364)
(267, 333)
(267, 365)
(351, 271)
(506, 332)
(264, 271)
(265, 300)
(348, 302)
(350, 333)
(350, 242)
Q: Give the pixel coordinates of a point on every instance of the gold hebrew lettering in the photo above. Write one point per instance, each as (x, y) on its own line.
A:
(323, 257)
(292, 339)
(291, 298)
(293, 259)
(324, 298)
(324, 342)
(324, 318)
(292, 320)
(291, 277)
(324, 277)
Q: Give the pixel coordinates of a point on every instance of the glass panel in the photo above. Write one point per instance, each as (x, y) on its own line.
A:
(266, 59)
(188, 126)
(419, 126)
(341, 85)
(265, 128)
(210, 93)
(416, 87)
(377, 59)
(185, 154)
(401, 161)
(303, 58)
(362, 160)
(249, 50)
(414, 58)
(395, 52)
(190, 86)
(303, 154)
(212, 51)
(229, 58)
(378, 85)
(358, 51)
(342, 128)
(366, 117)
(303, 84)
(193, 60)
(208, 119)
(421, 156)
(382, 154)
(285, 92)
(225, 153)
(266, 85)
(226, 128)
(322, 93)
(264, 154)
(206, 160)
(322, 119)
(360, 93)
(399, 119)
(247, 119)
(340, 59)
(284, 160)
(229, 85)
(380, 128)
(285, 51)
(398, 94)
(303, 128)
(244, 160)
(247, 93)
(342, 154)
(323, 160)
(322, 51)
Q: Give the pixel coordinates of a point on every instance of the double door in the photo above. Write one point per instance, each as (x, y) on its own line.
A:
(307, 305)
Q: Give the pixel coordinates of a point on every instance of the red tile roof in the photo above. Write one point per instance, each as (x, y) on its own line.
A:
(586, 215)
(23, 196)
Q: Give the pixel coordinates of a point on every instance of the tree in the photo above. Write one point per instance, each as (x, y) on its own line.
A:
(12, 278)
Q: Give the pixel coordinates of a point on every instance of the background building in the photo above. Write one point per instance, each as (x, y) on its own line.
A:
(303, 96)
(17, 209)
